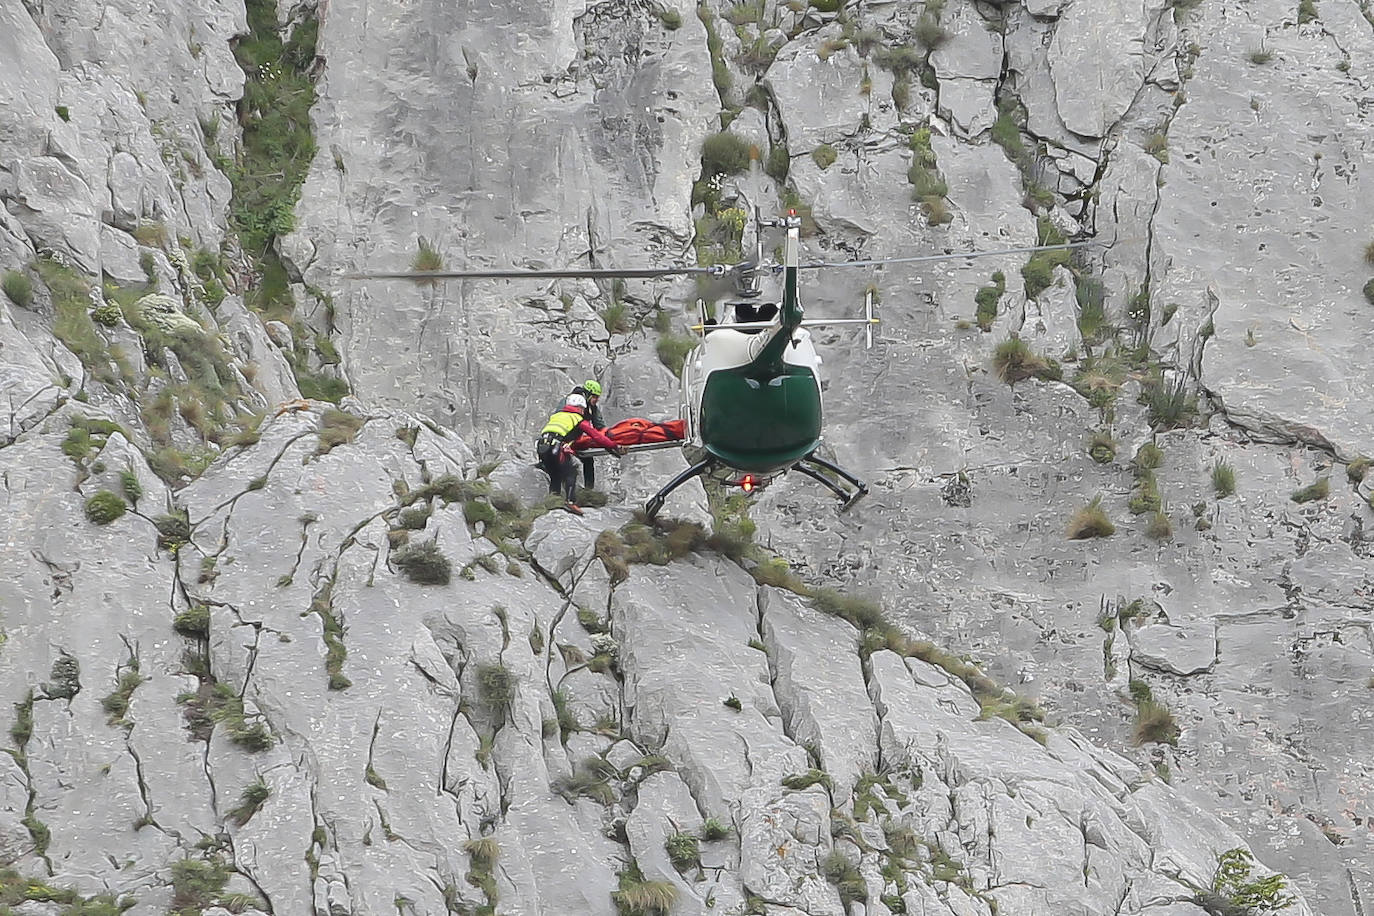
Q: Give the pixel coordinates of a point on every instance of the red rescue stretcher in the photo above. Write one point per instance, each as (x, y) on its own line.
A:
(636, 434)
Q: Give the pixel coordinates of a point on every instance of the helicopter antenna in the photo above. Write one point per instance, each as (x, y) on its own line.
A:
(953, 255)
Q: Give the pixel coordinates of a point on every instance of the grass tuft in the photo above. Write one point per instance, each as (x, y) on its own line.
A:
(336, 428)
(1091, 521)
(253, 797)
(1014, 361)
(1154, 723)
(1313, 492)
(1223, 479)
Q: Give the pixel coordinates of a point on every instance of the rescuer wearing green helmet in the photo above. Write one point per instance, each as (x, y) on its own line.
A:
(591, 390)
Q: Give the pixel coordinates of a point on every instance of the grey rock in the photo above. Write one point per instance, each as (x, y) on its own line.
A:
(1178, 648)
(820, 687)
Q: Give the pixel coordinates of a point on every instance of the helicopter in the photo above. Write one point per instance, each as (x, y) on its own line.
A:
(751, 389)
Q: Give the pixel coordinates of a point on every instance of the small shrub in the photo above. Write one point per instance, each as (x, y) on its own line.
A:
(1259, 56)
(107, 313)
(423, 563)
(732, 702)
(1223, 479)
(1321, 489)
(986, 300)
(496, 683)
(193, 622)
(1090, 522)
(18, 288)
(683, 851)
(172, 531)
(1368, 291)
(477, 510)
(824, 156)
(1307, 11)
(414, 518)
(129, 484)
(1356, 470)
(1233, 885)
(105, 506)
(713, 829)
(671, 18)
(1102, 447)
(724, 154)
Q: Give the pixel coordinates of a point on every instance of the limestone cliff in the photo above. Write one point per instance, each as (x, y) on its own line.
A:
(284, 656)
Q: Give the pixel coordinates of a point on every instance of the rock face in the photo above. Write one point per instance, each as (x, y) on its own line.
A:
(275, 656)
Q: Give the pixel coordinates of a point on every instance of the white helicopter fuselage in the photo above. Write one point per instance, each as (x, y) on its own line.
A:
(729, 348)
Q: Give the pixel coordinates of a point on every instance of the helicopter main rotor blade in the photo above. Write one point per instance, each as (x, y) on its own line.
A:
(523, 274)
(958, 254)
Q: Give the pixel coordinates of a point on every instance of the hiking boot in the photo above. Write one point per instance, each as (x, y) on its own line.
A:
(574, 508)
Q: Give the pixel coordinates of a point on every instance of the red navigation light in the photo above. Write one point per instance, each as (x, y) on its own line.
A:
(746, 483)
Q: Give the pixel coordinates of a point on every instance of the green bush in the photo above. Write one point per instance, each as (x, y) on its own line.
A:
(193, 622)
(824, 156)
(1369, 291)
(105, 506)
(683, 850)
(987, 298)
(497, 684)
(724, 154)
(423, 563)
(19, 288)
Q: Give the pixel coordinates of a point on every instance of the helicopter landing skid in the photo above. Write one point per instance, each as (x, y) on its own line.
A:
(847, 497)
(656, 503)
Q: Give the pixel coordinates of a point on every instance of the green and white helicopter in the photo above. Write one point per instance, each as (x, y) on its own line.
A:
(751, 390)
